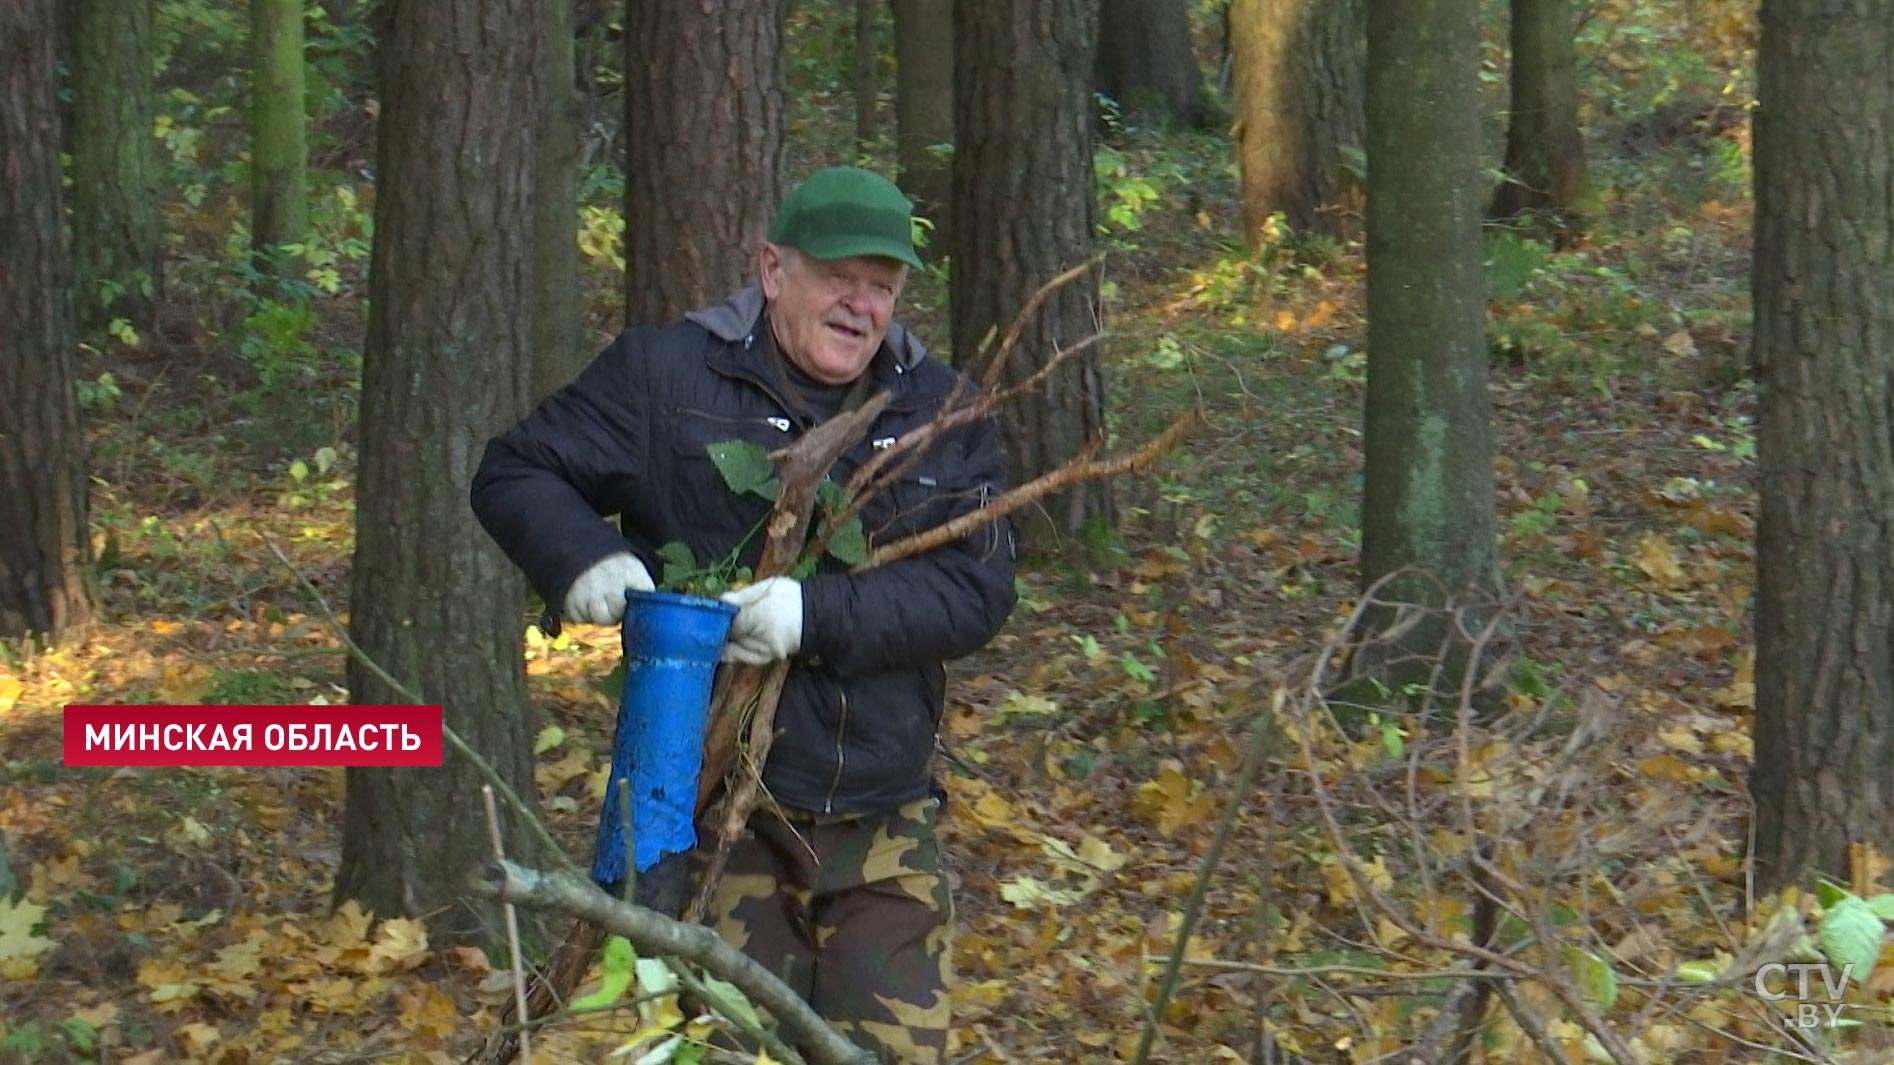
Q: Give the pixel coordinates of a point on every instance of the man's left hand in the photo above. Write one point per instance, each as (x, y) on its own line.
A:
(768, 625)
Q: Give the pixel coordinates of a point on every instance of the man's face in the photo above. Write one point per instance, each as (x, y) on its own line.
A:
(829, 315)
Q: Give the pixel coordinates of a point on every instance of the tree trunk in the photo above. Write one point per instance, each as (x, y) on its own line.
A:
(1300, 71)
(1428, 499)
(1146, 61)
(1824, 351)
(44, 549)
(1545, 154)
(558, 352)
(867, 75)
(1024, 208)
(114, 165)
(704, 129)
(278, 157)
(447, 364)
(924, 112)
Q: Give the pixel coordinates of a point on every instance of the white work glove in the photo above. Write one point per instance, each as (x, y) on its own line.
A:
(598, 596)
(768, 625)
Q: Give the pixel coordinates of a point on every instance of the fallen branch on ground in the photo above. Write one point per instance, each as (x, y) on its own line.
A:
(655, 934)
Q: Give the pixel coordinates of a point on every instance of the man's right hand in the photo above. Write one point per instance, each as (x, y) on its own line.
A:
(598, 596)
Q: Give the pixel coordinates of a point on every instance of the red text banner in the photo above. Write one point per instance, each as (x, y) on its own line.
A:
(252, 735)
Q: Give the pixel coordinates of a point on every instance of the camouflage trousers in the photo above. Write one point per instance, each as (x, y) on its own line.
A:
(854, 913)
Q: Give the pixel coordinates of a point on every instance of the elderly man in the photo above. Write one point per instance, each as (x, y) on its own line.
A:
(839, 890)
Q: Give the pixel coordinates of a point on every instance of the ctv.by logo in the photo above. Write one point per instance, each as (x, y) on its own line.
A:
(1773, 985)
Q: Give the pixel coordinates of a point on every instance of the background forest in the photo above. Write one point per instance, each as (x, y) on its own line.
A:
(1499, 670)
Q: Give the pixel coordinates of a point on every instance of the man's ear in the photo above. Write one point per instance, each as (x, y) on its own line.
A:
(769, 269)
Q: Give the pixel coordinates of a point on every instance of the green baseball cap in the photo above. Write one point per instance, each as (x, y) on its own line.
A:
(845, 211)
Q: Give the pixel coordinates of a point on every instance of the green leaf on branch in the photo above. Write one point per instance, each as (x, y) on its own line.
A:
(849, 545)
(1829, 895)
(830, 497)
(1698, 972)
(1850, 935)
(612, 684)
(1883, 907)
(655, 977)
(1594, 977)
(680, 565)
(745, 466)
(732, 1003)
(618, 959)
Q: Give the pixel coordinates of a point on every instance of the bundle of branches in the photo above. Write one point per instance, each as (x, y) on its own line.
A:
(743, 703)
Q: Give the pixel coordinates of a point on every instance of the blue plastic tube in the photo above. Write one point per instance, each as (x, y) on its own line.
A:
(672, 643)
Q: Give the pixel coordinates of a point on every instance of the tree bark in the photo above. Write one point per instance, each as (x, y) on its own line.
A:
(279, 158)
(1024, 209)
(1146, 61)
(44, 549)
(447, 364)
(704, 129)
(1428, 499)
(1300, 72)
(558, 352)
(1824, 352)
(867, 75)
(114, 164)
(924, 112)
(1545, 153)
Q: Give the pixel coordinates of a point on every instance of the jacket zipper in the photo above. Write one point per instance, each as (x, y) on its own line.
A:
(781, 425)
(841, 726)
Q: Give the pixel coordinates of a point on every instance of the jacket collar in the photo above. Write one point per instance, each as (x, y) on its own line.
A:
(737, 320)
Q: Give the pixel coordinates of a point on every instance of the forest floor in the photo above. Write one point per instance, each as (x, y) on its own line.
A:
(1095, 745)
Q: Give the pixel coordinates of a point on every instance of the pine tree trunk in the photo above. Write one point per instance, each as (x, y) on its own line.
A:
(1545, 154)
(1428, 498)
(44, 547)
(704, 129)
(867, 75)
(558, 351)
(924, 112)
(1300, 69)
(1824, 350)
(1146, 61)
(278, 157)
(447, 364)
(1023, 210)
(114, 165)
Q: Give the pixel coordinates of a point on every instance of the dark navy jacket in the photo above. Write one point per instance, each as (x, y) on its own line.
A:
(864, 696)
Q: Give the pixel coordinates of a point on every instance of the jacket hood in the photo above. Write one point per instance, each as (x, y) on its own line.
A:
(736, 318)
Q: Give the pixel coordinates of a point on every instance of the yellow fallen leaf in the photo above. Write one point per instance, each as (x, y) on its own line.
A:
(1681, 738)
(197, 1037)
(1867, 868)
(1658, 559)
(98, 1016)
(17, 921)
(1741, 694)
(1665, 767)
(169, 982)
(401, 943)
(1341, 886)
(1098, 854)
(348, 926)
(430, 1013)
